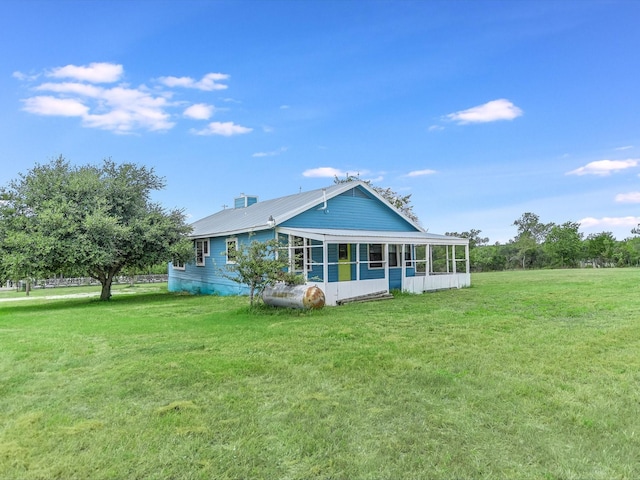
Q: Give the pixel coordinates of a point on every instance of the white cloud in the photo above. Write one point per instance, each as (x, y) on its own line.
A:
(63, 107)
(74, 91)
(207, 83)
(199, 111)
(117, 109)
(23, 77)
(95, 72)
(605, 222)
(435, 128)
(420, 173)
(129, 109)
(604, 167)
(493, 111)
(270, 154)
(72, 88)
(323, 172)
(631, 197)
(225, 129)
(626, 147)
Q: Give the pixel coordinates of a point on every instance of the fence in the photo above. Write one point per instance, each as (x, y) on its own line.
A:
(80, 281)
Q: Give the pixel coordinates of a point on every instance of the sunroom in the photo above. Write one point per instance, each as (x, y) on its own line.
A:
(349, 264)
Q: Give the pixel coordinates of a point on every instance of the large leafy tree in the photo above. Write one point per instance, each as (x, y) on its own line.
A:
(88, 220)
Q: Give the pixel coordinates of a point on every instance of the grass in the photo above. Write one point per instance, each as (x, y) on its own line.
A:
(524, 375)
(7, 293)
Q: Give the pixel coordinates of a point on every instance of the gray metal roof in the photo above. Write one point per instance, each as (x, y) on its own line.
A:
(255, 217)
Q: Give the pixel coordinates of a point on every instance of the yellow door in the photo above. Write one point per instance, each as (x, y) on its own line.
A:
(344, 262)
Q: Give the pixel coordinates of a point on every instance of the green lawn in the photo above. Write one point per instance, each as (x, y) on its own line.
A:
(116, 289)
(525, 375)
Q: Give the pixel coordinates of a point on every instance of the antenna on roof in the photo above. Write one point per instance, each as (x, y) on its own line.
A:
(299, 189)
(224, 207)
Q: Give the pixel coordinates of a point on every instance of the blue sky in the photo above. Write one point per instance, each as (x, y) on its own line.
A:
(481, 110)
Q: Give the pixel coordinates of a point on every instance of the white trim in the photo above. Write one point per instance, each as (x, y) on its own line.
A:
(205, 251)
(379, 264)
(373, 236)
(227, 242)
(175, 267)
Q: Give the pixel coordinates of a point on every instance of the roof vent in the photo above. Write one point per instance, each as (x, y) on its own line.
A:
(244, 201)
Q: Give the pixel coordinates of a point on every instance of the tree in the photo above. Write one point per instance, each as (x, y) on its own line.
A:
(475, 240)
(531, 234)
(400, 202)
(486, 258)
(88, 220)
(529, 225)
(600, 248)
(627, 252)
(563, 244)
(258, 264)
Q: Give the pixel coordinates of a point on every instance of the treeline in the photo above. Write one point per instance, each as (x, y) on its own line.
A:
(549, 245)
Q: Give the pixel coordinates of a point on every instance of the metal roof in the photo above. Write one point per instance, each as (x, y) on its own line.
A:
(256, 217)
(369, 236)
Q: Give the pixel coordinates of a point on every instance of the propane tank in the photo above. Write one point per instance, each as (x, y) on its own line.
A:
(293, 296)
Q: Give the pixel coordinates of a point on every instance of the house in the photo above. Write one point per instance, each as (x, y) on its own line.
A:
(346, 239)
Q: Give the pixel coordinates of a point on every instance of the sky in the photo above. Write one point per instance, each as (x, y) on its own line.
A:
(480, 110)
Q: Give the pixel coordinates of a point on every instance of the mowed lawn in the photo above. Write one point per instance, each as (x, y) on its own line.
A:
(524, 375)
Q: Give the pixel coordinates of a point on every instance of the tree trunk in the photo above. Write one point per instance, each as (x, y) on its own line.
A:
(105, 294)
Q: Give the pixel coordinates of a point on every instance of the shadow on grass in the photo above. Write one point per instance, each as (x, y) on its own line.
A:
(137, 299)
(40, 305)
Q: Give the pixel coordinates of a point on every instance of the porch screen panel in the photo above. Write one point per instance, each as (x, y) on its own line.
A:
(332, 252)
(316, 259)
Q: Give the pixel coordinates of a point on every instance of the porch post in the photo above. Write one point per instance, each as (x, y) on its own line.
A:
(403, 270)
(385, 259)
(466, 255)
(453, 252)
(325, 263)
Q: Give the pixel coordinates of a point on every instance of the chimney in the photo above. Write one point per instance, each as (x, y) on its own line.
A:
(243, 201)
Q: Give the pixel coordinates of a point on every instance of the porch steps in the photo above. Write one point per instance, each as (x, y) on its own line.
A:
(370, 297)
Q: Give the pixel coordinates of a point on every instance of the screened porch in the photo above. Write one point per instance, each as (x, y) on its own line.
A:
(353, 263)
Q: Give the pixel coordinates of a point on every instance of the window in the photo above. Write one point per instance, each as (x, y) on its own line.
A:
(202, 251)
(232, 248)
(393, 256)
(298, 259)
(407, 256)
(375, 255)
(178, 265)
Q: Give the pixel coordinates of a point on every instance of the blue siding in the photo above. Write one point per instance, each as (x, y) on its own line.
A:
(359, 212)
(317, 272)
(367, 273)
(209, 279)
(332, 252)
(395, 278)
